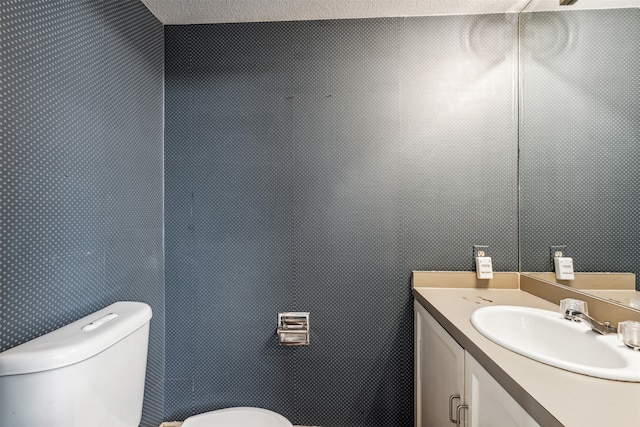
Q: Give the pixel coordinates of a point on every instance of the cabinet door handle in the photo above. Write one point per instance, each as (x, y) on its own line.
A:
(453, 396)
(459, 409)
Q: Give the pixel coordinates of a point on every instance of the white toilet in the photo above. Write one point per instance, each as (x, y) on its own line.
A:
(91, 373)
(236, 417)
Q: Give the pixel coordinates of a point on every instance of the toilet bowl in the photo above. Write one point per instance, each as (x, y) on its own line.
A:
(238, 417)
(73, 376)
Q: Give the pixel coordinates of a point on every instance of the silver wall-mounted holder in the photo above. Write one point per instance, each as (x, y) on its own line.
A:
(293, 328)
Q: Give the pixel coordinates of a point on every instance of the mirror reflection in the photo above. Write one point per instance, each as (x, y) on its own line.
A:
(580, 141)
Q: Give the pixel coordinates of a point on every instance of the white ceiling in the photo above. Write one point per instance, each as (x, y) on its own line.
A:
(219, 11)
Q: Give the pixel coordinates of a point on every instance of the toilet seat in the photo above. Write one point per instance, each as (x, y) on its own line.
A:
(238, 417)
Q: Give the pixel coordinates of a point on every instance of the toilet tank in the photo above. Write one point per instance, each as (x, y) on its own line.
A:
(89, 373)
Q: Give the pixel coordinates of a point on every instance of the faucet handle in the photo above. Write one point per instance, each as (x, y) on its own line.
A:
(629, 333)
(573, 305)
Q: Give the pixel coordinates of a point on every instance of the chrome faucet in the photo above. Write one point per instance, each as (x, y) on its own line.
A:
(601, 328)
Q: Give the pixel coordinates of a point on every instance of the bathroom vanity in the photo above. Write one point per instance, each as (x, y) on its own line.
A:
(462, 377)
(446, 375)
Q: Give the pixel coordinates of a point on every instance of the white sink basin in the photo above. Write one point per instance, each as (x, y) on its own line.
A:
(547, 337)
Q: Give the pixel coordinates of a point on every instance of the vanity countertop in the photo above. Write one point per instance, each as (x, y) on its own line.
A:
(551, 395)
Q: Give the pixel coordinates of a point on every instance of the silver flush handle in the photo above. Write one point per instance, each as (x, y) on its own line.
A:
(293, 328)
(97, 323)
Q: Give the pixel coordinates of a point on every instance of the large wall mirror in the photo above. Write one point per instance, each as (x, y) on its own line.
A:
(580, 137)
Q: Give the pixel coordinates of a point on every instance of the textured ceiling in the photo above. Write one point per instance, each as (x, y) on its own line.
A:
(218, 11)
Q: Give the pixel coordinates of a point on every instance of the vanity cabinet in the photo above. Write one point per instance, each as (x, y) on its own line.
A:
(439, 371)
(444, 370)
(490, 404)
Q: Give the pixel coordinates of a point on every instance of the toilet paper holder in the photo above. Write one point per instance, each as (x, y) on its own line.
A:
(293, 328)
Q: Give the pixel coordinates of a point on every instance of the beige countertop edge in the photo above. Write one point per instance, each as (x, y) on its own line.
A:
(590, 281)
(552, 396)
(463, 279)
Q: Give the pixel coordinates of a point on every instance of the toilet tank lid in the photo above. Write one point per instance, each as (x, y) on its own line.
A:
(72, 344)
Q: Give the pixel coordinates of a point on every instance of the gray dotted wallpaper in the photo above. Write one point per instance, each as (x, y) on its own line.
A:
(579, 138)
(310, 166)
(81, 128)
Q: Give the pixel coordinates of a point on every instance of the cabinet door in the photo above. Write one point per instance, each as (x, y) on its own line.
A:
(439, 371)
(489, 404)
